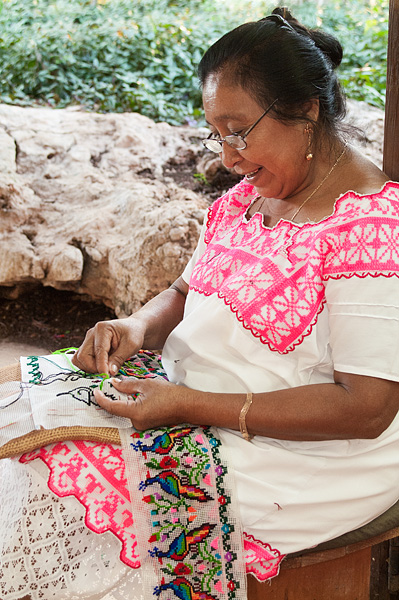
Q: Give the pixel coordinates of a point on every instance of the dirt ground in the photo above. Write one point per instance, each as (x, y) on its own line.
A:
(47, 318)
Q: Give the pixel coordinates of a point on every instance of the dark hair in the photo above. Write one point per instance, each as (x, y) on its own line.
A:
(277, 57)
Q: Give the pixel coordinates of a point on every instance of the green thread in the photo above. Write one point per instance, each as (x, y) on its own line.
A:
(34, 369)
(65, 350)
(72, 349)
(104, 377)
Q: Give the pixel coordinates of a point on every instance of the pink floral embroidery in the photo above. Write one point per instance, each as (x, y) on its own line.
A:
(261, 560)
(274, 279)
(95, 475)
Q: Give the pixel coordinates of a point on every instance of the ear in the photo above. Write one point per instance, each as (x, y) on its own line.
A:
(311, 110)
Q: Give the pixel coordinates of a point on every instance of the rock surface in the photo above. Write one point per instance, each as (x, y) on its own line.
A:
(85, 204)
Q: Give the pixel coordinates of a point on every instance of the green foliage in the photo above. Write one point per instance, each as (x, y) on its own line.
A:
(141, 55)
(362, 29)
(201, 178)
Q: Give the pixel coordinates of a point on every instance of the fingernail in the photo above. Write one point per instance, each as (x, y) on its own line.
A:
(114, 369)
(115, 380)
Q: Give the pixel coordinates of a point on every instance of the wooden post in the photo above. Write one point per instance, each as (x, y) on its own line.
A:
(391, 129)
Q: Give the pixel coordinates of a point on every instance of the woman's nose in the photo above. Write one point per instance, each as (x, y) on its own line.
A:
(229, 156)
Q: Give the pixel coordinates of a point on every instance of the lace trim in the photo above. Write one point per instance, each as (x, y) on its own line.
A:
(14, 497)
(49, 553)
(95, 475)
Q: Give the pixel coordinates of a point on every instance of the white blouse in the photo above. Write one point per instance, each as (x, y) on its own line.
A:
(281, 307)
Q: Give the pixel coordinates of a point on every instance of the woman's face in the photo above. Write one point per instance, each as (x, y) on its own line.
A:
(274, 160)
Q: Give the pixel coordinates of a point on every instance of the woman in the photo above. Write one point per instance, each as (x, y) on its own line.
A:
(282, 331)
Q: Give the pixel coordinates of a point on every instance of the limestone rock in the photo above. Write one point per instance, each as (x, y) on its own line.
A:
(369, 138)
(85, 204)
(66, 265)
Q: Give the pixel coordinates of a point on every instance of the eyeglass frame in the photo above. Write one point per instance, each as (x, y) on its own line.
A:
(236, 135)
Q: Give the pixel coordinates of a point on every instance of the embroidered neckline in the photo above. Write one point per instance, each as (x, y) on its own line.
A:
(273, 279)
(350, 194)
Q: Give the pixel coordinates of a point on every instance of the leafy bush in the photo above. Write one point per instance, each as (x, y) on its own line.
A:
(362, 29)
(141, 55)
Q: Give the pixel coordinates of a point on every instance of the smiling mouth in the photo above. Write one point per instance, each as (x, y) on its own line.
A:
(252, 173)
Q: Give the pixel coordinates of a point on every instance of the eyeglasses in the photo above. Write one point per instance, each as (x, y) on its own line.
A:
(234, 140)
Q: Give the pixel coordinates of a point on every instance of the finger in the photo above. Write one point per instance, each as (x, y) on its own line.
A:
(84, 357)
(120, 408)
(92, 356)
(105, 338)
(131, 385)
(122, 353)
(113, 393)
(127, 385)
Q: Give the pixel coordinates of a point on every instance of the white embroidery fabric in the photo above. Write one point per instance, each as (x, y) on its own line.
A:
(26, 407)
(49, 552)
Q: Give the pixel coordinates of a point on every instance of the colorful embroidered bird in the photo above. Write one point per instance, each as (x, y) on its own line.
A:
(183, 590)
(171, 484)
(163, 443)
(181, 545)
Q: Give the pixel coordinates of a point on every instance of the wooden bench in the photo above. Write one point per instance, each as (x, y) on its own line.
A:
(355, 572)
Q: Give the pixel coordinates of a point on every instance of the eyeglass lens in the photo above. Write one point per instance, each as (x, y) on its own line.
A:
(235, 141)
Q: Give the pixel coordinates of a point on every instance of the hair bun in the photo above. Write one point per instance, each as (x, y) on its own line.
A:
(284, 12)
(326, 42)
(329, 45)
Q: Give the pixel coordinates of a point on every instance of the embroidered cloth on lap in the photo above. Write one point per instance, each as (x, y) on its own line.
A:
(52, 393)
(168, 496)
(267, 309)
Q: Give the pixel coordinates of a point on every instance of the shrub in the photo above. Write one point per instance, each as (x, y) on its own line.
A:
(126, 55)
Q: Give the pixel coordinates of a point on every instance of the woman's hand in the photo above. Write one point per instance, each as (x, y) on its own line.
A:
(108, 344)
(159, 402)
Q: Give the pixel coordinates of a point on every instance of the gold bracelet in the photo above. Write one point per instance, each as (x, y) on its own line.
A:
(243, 414)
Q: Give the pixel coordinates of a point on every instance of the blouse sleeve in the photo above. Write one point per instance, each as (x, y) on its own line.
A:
(364, 325)
(361, 275)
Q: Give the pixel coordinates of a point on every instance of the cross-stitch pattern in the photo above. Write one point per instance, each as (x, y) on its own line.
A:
(273, 279)
(52, 393)
(193, 536)
(167, 495)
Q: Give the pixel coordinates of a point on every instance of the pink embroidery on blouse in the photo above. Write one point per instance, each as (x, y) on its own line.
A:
(273, 279)
(261, 559)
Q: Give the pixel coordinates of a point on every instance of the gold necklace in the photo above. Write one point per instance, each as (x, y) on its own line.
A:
(314, 191)
(320, 184)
